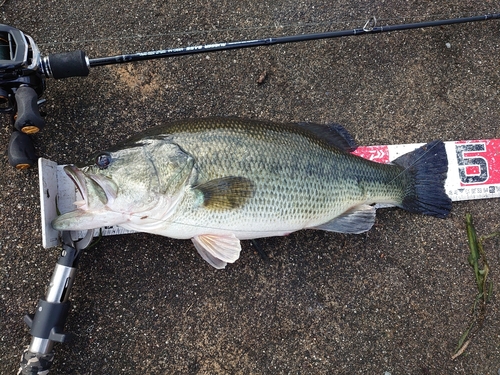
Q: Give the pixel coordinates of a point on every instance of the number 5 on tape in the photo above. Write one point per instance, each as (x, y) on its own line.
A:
(473, 166)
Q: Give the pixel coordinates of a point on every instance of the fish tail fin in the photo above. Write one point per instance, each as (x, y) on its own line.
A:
(425, 172)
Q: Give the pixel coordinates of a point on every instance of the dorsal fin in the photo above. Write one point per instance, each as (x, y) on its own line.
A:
(335, 134)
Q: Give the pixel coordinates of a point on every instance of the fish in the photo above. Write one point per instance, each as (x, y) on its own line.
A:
(218, 181)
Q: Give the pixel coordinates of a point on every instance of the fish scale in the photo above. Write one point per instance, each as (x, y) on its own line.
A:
(300, 179)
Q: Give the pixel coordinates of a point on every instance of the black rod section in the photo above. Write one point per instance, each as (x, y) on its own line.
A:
(280, 40)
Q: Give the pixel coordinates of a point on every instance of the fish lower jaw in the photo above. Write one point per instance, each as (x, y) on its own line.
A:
(88, 219)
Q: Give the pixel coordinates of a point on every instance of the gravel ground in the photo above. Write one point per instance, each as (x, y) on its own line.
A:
(395, 299)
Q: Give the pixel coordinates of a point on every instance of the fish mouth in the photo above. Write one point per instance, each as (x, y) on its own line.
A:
(104, 188)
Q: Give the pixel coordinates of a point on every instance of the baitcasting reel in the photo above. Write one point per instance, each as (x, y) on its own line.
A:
(22, 82)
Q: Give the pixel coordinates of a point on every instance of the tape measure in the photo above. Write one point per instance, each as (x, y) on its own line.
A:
(473, 173)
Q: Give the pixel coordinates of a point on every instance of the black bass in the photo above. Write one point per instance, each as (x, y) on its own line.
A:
(221, 180)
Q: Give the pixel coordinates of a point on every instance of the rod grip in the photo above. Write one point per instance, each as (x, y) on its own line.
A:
(67, 64)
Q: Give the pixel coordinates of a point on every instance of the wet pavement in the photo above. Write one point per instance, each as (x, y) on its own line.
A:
(396, 299)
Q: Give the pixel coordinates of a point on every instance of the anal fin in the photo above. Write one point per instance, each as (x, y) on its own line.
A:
(356, 220)
(218, 250)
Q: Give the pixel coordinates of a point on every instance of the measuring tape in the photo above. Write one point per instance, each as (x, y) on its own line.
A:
(473, 173)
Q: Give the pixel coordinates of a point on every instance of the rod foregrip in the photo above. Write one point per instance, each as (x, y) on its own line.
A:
(67, 64)
(35, 363)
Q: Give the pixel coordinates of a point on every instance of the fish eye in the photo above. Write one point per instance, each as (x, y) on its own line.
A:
(103, 160)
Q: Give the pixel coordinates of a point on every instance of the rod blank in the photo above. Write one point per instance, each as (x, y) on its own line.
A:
(118, 59)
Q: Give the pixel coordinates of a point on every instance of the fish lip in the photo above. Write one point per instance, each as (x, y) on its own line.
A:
(78, 178)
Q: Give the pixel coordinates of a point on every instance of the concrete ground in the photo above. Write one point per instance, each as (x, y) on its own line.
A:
(396, 299)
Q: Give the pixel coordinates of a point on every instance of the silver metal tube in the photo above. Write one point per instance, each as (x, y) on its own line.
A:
(58, 292)
(39, 345)
(60, 284)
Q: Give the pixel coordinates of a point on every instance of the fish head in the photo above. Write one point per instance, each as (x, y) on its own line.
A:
(138, 179)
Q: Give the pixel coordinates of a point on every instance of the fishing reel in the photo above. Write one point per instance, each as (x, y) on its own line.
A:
(22, 82)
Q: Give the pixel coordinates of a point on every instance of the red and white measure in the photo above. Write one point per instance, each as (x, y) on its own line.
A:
(473, 166)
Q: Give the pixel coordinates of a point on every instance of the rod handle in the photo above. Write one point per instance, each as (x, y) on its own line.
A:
(67, 64)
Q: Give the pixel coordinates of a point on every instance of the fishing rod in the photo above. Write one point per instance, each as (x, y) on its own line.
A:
(23, 71)
(370, 27)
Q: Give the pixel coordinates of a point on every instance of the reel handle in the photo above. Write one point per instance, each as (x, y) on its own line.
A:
(28, 119)
(21, 151)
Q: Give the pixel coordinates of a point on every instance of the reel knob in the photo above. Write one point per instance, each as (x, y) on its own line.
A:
(21, 151)
(28, 119)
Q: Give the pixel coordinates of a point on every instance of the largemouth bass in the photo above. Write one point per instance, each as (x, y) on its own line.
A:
(221, 180)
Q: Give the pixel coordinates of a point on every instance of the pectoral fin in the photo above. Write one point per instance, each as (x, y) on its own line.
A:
(218, 250)
(357, 220)
(227, 192)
